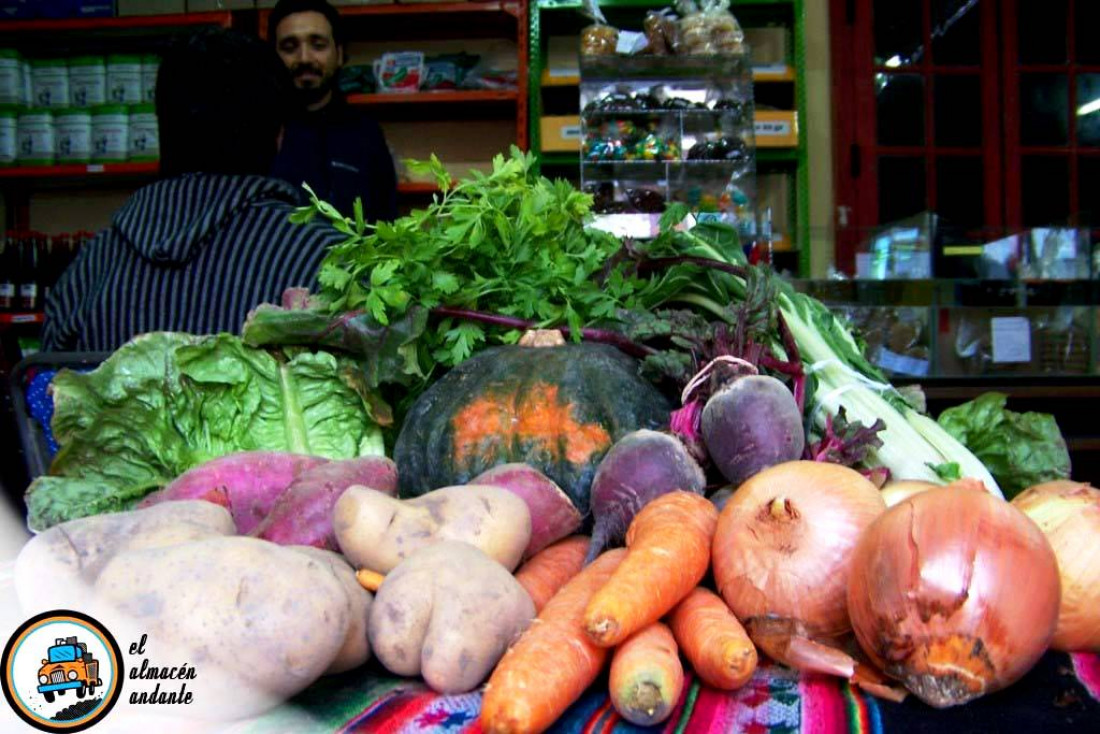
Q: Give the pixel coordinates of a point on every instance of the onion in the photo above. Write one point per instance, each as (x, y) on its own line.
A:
(902, 489)
(1068, 513)
(895, 492)
(955, 593)
(784, 544)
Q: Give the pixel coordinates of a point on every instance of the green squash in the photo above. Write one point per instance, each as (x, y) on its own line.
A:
(557, 408)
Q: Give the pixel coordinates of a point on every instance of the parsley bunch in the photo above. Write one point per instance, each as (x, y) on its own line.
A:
(510, 243)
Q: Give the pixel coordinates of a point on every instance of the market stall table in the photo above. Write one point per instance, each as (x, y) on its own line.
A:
(1061, 694)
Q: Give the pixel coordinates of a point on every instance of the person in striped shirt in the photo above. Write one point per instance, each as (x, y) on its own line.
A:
(210, 239)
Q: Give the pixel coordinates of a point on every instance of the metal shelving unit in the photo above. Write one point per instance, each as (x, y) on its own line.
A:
(793, 161)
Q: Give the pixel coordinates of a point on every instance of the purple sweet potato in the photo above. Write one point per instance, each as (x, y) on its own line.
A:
(639, 467)
(247, 483)
(750, 424)
(303, 513)
(553, 515)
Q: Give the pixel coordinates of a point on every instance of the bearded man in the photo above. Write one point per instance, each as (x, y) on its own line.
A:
(328, 144)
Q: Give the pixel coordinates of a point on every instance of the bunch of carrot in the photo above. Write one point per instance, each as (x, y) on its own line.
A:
(613, 609)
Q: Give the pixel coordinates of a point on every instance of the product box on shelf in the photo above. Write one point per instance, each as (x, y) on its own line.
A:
(61, 9)
(205, 6)
(776, 128)
(1015, 341)
(151, 7)
(560, 133)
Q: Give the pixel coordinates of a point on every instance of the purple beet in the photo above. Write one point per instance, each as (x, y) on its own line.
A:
(303, 513)
(750, 424)
(639, 467)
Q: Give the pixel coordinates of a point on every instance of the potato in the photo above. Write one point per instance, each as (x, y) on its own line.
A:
(356, 648)
(378, 532)
(55, 568)
(447, 613)
(259, 622)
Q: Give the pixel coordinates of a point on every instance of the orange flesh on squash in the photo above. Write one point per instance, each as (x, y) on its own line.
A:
(540, 420)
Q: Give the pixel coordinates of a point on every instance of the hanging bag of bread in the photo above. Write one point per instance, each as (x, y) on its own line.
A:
(599, 38)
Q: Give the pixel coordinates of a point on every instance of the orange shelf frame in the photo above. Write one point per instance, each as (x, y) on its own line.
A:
(80, 169)
(221, 18)
(440, 97)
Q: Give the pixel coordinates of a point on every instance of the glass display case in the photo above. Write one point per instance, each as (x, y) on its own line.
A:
(659, 129)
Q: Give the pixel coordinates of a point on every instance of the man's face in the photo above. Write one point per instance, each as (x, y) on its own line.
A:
(304, 42)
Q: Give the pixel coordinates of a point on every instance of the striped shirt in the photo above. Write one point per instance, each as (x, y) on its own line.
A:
(193, 253)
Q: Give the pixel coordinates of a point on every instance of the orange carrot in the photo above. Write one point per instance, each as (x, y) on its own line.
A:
(646, 676)
(668, 552)
(713, 641)
(552, 663)
(550, 568)
(369, 580)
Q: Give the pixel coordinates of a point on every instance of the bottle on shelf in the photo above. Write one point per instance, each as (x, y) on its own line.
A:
(10, 264)
(29, 272)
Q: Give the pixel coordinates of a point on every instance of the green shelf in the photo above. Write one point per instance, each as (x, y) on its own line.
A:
(792, 162)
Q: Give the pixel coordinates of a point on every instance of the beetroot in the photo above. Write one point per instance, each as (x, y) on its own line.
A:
(303, 513)
(553, 515)
(246, 483)
(639, 467)
(752, 423)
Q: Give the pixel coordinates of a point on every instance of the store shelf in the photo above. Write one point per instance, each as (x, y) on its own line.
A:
(508, 7)
(777, 155)
(471, 6)
(79, 171)
(11, 319)
(440, 97)
(421, 188)
(223, 18)
(767, 76)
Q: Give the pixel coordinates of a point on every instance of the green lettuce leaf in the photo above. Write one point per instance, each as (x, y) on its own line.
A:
(165, 403)
(1019, 449)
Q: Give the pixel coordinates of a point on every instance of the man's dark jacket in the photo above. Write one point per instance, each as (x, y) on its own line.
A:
(342, 155)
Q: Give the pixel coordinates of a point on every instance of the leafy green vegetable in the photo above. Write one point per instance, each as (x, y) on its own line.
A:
(510, 243)
(1020, 449)
(165, 402)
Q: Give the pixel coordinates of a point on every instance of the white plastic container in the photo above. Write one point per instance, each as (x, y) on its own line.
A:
(35, 138)
(144, 136)
(11, 77)
(28, 85)
(50, 82)
(150, 64)
(73, 135)
(87, 81)
(123, 79)
(8, 125)
(110, 133)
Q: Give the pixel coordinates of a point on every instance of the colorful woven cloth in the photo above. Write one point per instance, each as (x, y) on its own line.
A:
(1061, 694)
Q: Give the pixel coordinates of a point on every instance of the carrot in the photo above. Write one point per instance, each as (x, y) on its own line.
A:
(552, 663)
(369, 580)
(646, 676)
(549, 569)
(668, 552)
(713, 641)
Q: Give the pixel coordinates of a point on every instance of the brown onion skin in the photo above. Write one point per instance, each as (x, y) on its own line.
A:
(777, 568)
(1073, 533)
(955, 593)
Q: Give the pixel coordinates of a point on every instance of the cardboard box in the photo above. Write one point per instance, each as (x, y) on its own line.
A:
(19, 9)
(151, 7)
(776, 128)
(205, 6)
(560, 133)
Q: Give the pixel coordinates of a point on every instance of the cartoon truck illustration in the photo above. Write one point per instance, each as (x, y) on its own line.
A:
(69, 666)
